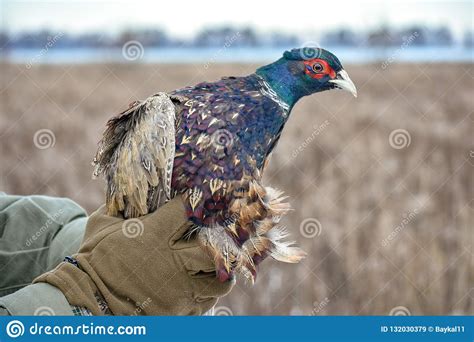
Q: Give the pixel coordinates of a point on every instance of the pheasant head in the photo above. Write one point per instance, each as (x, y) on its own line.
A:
(306, 71)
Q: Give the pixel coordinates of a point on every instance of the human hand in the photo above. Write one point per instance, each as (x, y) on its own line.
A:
(140, 266)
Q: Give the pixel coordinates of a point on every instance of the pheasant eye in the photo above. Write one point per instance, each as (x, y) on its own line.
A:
(317, 67)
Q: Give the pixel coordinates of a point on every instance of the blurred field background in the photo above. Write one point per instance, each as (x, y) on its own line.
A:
(385, 215)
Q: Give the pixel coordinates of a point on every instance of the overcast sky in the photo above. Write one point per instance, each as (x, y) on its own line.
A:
(183, 18)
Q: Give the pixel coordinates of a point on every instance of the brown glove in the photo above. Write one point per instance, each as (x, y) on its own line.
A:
(140, 266)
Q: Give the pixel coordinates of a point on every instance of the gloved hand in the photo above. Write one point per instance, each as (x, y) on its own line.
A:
(140, 266)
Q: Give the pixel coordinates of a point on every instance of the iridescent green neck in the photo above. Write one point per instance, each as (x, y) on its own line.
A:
(278, 75)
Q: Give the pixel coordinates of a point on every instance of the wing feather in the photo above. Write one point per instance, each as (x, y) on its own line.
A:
(136, 155)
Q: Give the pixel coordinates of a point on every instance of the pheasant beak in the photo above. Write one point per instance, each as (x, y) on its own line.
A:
(343, 81)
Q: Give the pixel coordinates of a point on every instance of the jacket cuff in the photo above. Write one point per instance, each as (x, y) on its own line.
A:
(37, 299)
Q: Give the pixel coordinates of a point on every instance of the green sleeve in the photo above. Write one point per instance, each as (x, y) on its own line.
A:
(36, 233)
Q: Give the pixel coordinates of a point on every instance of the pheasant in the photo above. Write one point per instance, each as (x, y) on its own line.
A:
(209, 144)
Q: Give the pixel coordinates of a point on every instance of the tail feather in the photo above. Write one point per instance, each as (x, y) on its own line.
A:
(241, 244)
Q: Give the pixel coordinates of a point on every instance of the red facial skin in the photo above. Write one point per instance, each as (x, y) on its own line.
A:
(326, 71)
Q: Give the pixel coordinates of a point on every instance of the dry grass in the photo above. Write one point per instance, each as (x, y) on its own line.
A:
(396, 224)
